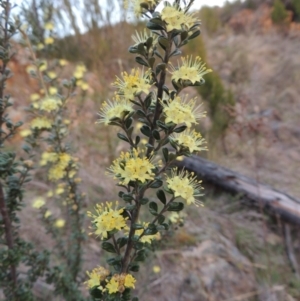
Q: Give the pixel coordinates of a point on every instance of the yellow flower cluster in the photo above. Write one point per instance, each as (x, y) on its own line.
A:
(181, 110)
(175, 18)
(133, 84)
(41, 123)
(137, 5)
(97, 275)
(116, 109)
(119, 282)
(142, 37)
(38, 202)
(50, 104)
(189, 139)
(107, 219)
(184, 185)
(133, 166)
(79, 71)
(60, 161)
(189, 70)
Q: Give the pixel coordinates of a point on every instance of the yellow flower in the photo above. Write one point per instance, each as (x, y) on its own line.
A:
(31, 69)
(181, 110)
(119, 282)
(50, 104)
(189, 139)
(147, 238)
(132, 166)
(189, 70)
(59, 223)
(41, 123)
(107, 219)
(40, 46)
(48, 157)
(173, 16)
(38, 203)
(113, 285)
(25, 133)
(51, 74)
(59, 191)
(142, 37)
(43, 65)
(115, 109)
(50, 194)
(136, 4)
(97, 275)
(58, 170)
(156, 269)
(177, 217)
(83, 85)
(185, 185)
(49, 26)
(49, 41)
(63, 62)
(47, 213)
(133, 84)
(34, 97)
(79, 71)
(52, 90)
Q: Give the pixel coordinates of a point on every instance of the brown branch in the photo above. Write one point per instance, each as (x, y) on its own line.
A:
(8, 234)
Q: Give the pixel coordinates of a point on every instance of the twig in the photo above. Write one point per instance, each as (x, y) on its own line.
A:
(290, 249)
(8, 234)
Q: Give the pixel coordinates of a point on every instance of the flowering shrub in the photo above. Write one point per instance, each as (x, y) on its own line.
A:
(165, 119)
(155, 120)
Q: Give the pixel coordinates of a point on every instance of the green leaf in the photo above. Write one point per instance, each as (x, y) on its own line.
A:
(151, 61)
(158, 21)
(161, 125)
(107, 246)
(128, 122)
(166, 154)
(134, 267)
(148, 100)
(140, 113)
(163, 42)
(146, 130)
(127, 197)
(137, 140)
(153, 26)
(114, 260)
(156, 184)
(151, 230)
(130, 207)
(180, 129)
(140, 61)
(122, 137)
(141, 256)
(175, 52)
(184, 35)
(158, 54)
(153, 208)
(161, 219)
(137, 226)
(194, 35)
(160, 67)
(144, 201)
(175, 206)
(156, 134)
(122, 241)
(161, 196)
(149, 42)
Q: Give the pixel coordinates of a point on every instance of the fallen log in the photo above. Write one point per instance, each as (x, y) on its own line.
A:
(275, 202)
